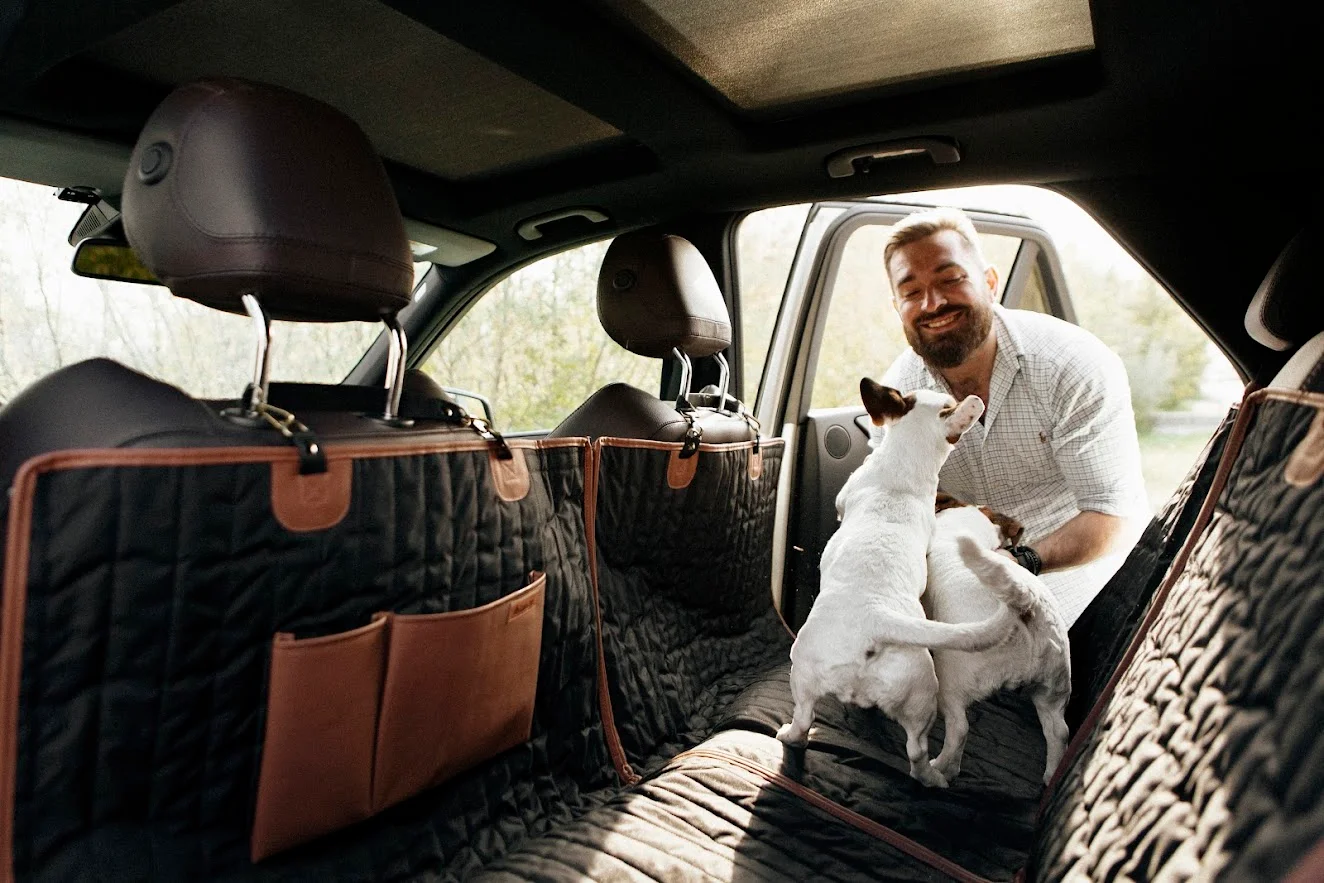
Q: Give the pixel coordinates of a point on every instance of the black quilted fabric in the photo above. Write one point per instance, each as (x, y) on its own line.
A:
(856, 757)
(1100, 636)
(684, 584)
(1206, 762)
(153, 595)
(702, 819)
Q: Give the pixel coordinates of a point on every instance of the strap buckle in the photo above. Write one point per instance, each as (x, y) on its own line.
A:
(486, 432)
(312, 457)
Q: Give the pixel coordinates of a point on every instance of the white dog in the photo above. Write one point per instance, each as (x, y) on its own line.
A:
(865, 639)
(967, 582)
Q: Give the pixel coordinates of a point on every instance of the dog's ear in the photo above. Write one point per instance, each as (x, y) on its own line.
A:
(945, 500)
(883, 403)
(1010, 527)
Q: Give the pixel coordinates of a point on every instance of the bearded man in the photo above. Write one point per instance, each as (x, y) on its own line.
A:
(1056, 447)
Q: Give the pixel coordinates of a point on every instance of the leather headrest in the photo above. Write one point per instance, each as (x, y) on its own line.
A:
(1287, 310)
(656, 292)
(237, 187)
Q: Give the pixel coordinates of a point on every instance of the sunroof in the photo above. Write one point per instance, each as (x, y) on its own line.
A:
(424, 100)
(773, 52)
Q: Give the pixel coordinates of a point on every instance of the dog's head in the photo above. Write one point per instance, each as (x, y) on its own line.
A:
(923, 409)
(1009, 529)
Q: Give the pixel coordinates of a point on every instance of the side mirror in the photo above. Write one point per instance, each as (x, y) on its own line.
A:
(105, 258)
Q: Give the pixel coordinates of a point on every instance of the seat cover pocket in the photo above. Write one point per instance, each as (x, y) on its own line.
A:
(459, 689)
(318, 748)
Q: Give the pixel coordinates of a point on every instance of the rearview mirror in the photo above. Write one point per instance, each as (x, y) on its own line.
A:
(101, 258)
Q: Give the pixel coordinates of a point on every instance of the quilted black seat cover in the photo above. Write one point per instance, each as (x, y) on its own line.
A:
(1207, 760)
(152, 595)
(684, 584)
(702, 817)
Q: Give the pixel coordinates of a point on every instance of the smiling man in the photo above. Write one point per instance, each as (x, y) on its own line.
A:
(1056, 447)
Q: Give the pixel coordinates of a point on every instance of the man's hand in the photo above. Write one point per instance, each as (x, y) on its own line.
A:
(1081, 540)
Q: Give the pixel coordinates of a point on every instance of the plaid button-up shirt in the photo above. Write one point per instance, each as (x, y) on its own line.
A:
(1058, 436)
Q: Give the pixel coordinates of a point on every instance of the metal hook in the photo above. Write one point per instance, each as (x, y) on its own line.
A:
(397, 349)
(724, 381)
(257, 395)
(686, 373)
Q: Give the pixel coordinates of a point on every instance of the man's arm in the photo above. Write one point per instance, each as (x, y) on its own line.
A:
(1082, 539)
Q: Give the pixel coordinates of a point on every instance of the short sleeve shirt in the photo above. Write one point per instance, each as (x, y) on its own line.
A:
(1058, 436)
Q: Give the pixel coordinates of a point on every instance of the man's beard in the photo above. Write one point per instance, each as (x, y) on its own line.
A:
(951, 348)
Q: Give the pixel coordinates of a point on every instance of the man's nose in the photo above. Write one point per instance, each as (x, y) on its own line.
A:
(933, 299)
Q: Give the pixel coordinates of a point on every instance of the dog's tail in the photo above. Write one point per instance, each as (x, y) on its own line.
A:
(970, 636)
(1002, 575)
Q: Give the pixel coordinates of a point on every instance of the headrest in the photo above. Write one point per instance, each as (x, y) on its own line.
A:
(237, 187)
(1287, 310)
(656, 292)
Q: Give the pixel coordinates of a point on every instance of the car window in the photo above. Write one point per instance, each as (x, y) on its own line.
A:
(862, 329)
(765, 248)
(50, 318)
(533, 346)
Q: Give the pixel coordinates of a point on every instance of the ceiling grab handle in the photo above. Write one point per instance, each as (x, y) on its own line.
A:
(847, 162)
(528, 229)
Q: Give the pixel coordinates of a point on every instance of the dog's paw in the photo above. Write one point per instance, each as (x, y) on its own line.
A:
(948, 771)
(790, 736)
(928, 775)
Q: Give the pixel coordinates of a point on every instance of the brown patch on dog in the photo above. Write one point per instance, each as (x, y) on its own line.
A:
(1010, 527)
(945, 500)
(883, 403)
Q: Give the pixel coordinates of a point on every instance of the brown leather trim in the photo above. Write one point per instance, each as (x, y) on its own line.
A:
(12, 610)
(592, 460)
(311, 502)
(459, 688)
(1249, 405)
(317, 749)
(756, 464)
(841, 813)
(510, 477)
(1310, 869)
(680, 472)
(648, 444)
(1307, 461)
(95, 457)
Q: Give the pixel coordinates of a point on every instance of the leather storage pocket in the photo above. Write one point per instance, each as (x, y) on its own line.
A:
(360, 720)
(459, 689)
(317, 751)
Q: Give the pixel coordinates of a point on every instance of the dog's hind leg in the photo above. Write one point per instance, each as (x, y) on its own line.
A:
(802, 718)
(916, 718)
(1051, 707)
(954, 721)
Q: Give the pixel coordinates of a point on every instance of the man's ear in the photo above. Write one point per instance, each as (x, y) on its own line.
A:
(883, 403)
(991, 281)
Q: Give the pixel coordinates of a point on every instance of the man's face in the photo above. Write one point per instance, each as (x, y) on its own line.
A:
(943, 296)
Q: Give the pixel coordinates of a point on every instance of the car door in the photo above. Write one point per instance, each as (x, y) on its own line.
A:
(837, 324)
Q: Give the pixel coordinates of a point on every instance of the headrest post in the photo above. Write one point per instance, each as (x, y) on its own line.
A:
(397, 349)
(686, 373)
(724, 381)
(257, 394)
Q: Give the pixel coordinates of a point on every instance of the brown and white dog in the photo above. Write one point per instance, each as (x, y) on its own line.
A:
(968, 581)
(866, 639)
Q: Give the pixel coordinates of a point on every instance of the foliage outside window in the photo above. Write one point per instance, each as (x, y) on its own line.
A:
(765, 248)
(50, 318)
(534, 346)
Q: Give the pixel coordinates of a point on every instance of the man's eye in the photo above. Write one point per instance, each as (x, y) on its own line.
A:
(910, 295)
(954, 280)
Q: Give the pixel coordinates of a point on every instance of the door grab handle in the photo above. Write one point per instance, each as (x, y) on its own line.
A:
(528, 229)
(845, 163)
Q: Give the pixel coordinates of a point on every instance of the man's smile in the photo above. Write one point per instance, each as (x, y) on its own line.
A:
(943, 321)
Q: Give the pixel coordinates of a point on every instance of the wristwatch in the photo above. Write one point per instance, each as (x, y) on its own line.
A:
(1027, 558)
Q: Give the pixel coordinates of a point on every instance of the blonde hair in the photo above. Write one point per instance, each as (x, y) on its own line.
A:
(923, 224)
